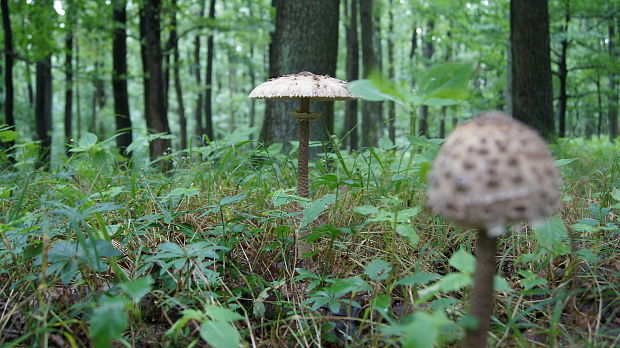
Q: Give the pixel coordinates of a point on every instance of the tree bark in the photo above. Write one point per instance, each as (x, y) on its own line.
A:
(8, 67)
(305, 39)
(563, 73)
(428, 51)
(391, 74)
(156, 117)
(613, 90)
(353, 69)
(532, 94)
(68, 119)
(177, 79)
(252, 76)
(119, 78)
(209, 79)
(43, 110)
(199, 130)
(370, 110)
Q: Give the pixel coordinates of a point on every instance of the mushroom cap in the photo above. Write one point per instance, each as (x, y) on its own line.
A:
(303, 85)
(491, 171)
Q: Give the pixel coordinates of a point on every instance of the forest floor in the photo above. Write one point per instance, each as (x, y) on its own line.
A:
(93, 254)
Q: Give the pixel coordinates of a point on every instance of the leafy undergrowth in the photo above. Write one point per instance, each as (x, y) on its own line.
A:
(92, 254)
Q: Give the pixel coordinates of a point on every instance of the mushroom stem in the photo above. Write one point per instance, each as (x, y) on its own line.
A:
(303, 154)
(482, 299)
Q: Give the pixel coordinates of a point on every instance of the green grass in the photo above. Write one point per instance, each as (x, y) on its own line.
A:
(205, 252)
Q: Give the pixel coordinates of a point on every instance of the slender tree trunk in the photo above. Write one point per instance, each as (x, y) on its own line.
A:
(252, 75)
(305, 39)
(613, 84)
(370, 115)
(156, 118)
(119, 78)
(209, 78)
(532, 94)
(199, 130)
(563, 72)
(177, 80)
(428, 51)
(43, 110)
(231, 88)
(599, 100)
(391, 74)
(353, 70)
(414, 48)
(68, 120)
(78, 103)
(8, 67)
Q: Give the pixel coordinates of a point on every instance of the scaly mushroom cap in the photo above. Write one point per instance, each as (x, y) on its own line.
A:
(492, 171)
(303, 85)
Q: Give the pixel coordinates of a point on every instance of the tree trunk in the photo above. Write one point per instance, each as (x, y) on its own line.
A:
(305, 39)
(353, 70)
(428, 51)
(563, 73)
(613, 84)
(8, 67)
(119, 78)
(532, 94)
(177, 79)
(370, 110)
(209, 78)
(156, 118)
(231, 89)
(199, 130)
(43, 110)
(252, 76)
(391, 74)
(68, 120)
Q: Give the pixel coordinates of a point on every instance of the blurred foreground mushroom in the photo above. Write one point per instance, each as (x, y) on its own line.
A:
(490, 172)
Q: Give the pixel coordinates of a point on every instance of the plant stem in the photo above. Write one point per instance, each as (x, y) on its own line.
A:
(482, 299)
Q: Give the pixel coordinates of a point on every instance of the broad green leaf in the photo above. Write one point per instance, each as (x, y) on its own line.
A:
(500, 284)
(531, 280)
(564, 161)
(377, 269)
(463, 260)
(222, 314)
(552, 235)
(408, 232)
(421, 332)
(315, 208)
(454, 281)
(446, 81)
(367, 90)
(137, 288)
(8, 135)
(108, 321)
(366, 210)
(420, 278)
(220, 334)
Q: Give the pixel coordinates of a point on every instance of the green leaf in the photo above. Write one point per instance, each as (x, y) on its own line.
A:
(420, 278)
(108, 321)
(454, 282)
(316, 208)
(463, 260)
(367, 90)
(137, 288)
(366, 210)
(7, 135)
(446, 81)
(531, 280)
(222, 314)
(421, 332)
(408, 232)
(552, 235)
(220, 334)
(564, 161)
(378, 269)
(501, 284)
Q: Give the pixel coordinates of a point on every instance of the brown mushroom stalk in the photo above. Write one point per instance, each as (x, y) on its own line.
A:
(303, 152)
(490, 172)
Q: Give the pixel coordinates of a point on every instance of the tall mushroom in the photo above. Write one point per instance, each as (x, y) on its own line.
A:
(490, 172)
(304, 86)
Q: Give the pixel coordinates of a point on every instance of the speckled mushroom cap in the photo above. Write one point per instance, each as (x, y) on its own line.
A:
(303, 85)
(493, 171)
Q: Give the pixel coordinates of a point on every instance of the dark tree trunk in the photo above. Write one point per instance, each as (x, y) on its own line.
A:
(156, 118)
(305, 39)
(599, 100)
(563, 73)
(68, 120)
(613, 84)
(8, 67)
(442, 123)
(428, 51)
(78, 100)
(209, 78)
(177, 80)
(391, 73)
(353, 70)
(231, 89)
(370, 110)
(119, 78)
(532, 94)
(43, 110)
(199, 130)
(414, 48)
